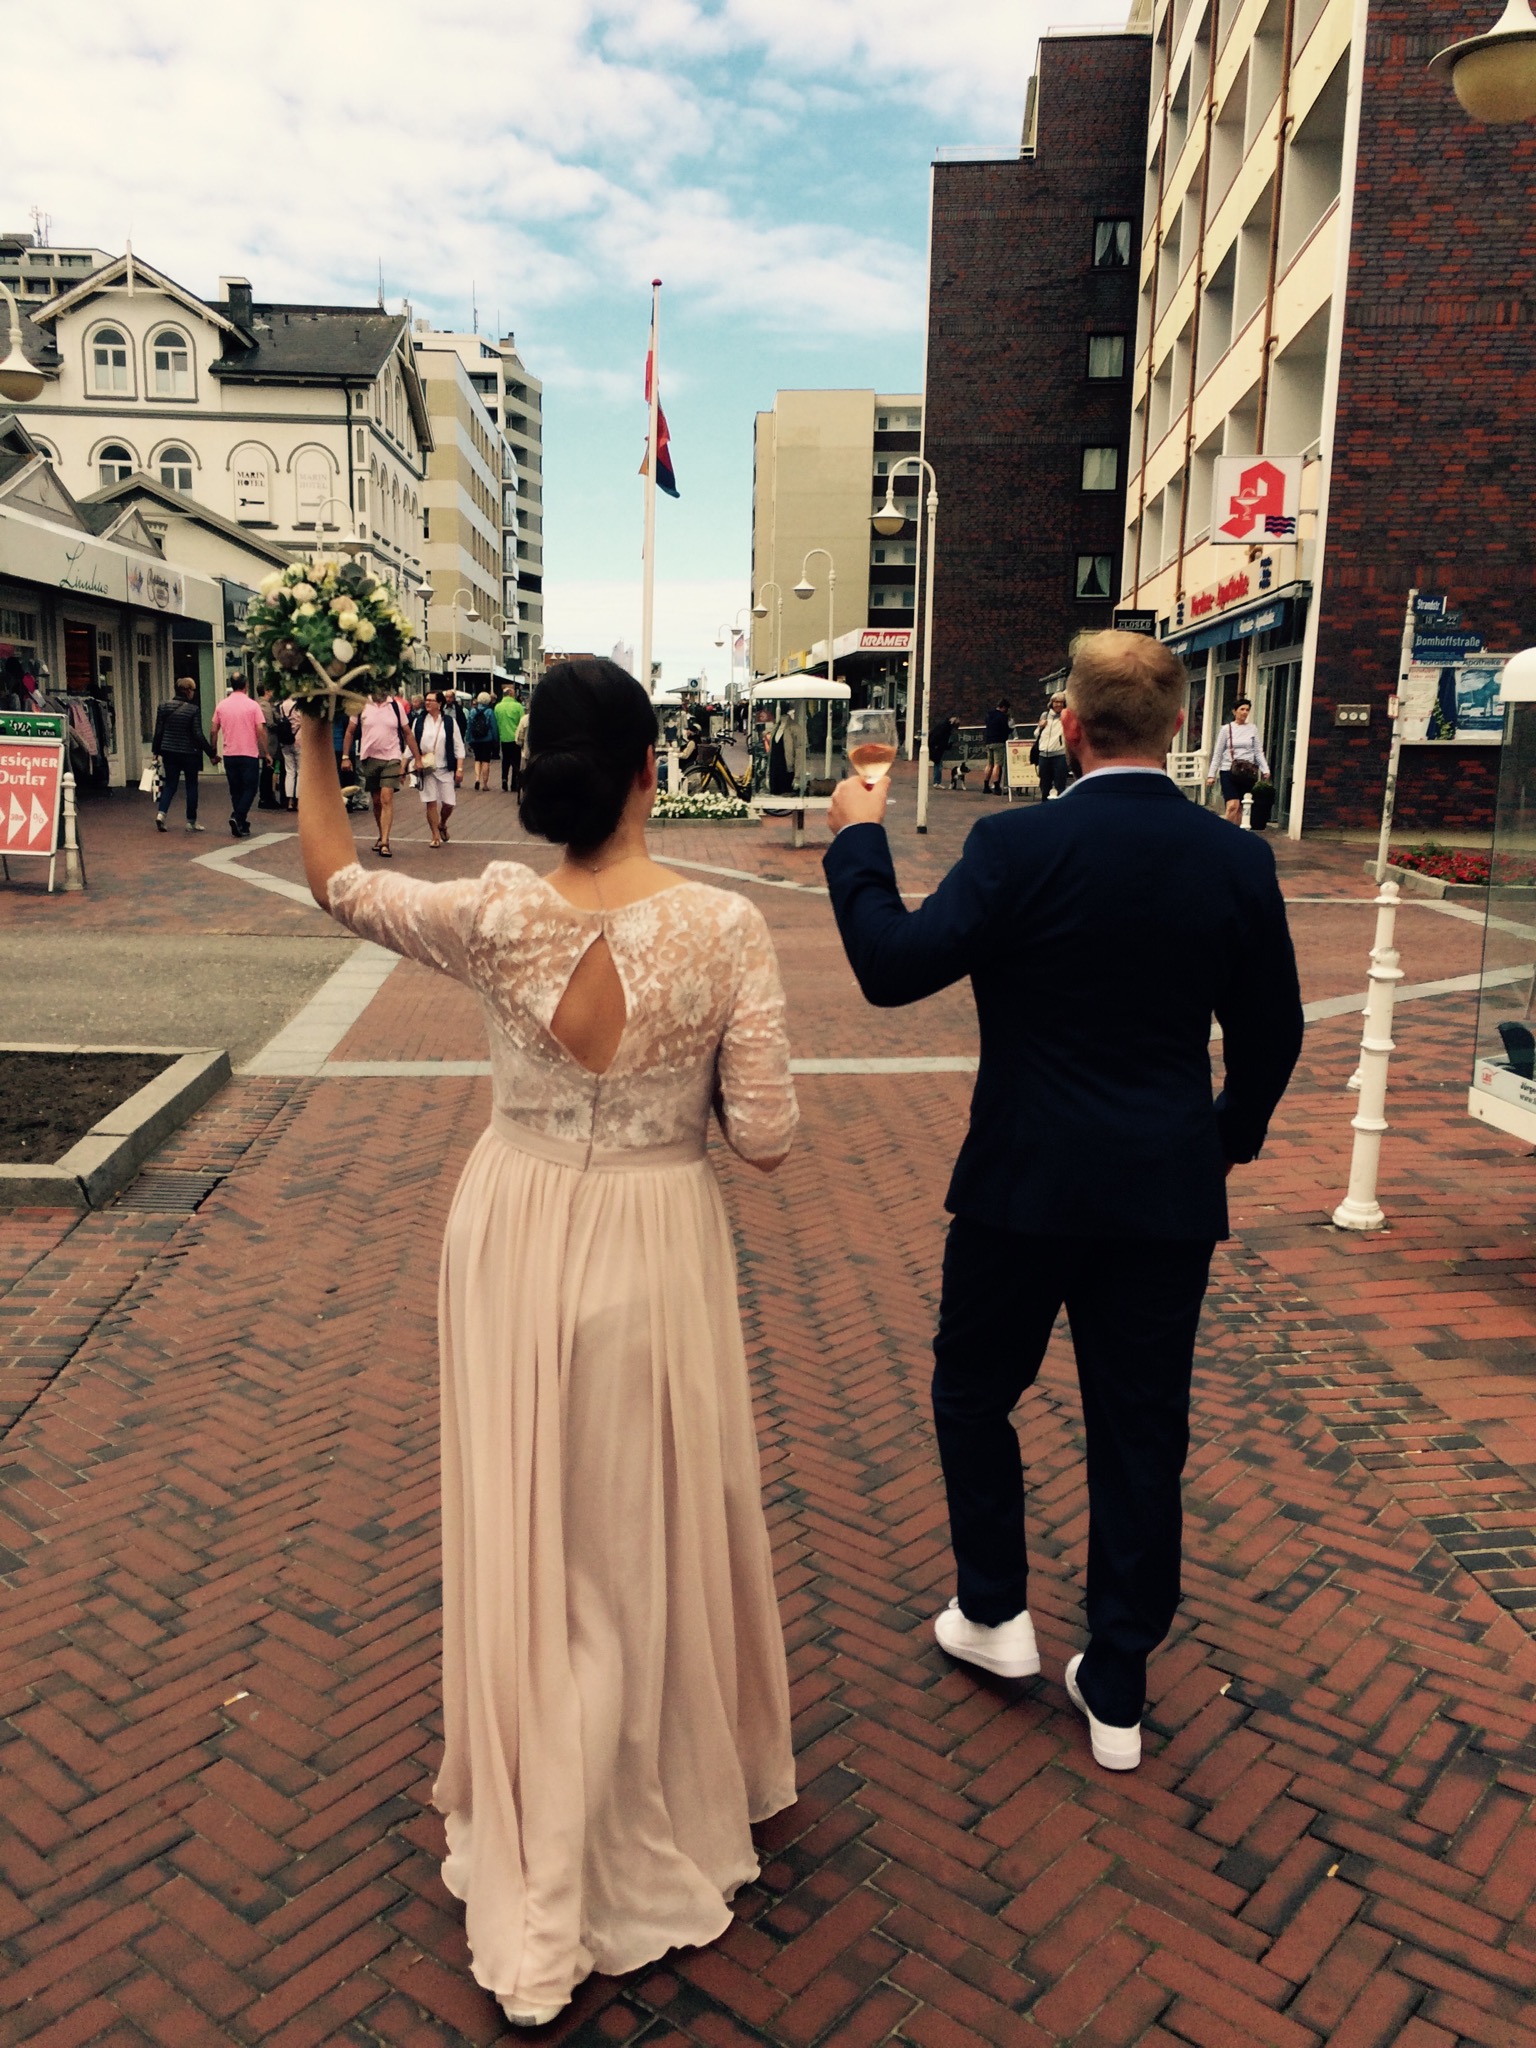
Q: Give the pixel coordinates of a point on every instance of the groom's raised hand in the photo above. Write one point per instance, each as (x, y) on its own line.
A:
(854, 802)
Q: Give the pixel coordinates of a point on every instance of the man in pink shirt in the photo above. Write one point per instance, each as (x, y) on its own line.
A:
(381, 736)
(240, 732)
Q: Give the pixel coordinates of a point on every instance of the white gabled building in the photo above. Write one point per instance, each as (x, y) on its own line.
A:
(298, 423)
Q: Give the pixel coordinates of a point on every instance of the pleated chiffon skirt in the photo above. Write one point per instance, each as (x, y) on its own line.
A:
(614, 1685)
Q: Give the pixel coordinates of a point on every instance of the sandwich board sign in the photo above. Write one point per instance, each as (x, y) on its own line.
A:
(31, 801)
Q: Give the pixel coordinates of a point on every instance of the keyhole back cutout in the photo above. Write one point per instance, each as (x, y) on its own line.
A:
(590, 1016)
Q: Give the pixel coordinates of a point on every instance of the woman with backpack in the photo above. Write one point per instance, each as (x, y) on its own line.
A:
(484, 739)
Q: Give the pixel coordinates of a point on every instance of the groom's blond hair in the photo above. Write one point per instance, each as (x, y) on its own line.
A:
(1128, 690)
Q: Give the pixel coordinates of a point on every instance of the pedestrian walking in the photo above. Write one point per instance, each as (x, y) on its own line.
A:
(995, 738)
(1118, 916)
(1238, 758)
(615, 1694)
(509, 719)
(484, 739)
(241, 732)
(1049, 752)
(285, 731)
(272, 760)
(439, 763)
(179, 745)
(940, 738)
(379, 741)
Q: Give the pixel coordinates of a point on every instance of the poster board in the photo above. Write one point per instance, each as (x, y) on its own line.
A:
(1455, 700)
(31, 800)
(1023, 775)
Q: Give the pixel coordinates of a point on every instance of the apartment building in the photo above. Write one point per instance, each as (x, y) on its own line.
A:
(1031, 321)
(1333, 384)
(822, 461)
(470, 476)
(36, 271)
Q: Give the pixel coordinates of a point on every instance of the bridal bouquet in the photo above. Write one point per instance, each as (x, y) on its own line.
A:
(329, 635)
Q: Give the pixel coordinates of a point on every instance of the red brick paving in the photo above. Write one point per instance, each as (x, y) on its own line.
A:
(218, 1712)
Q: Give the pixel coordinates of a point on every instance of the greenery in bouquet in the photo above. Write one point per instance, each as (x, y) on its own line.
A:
(329, 634)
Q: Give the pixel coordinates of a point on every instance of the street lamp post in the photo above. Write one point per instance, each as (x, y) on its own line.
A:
(19, 379)
(470, 614)
(735, 626)
(804, 589)
(1494, 75)
(891, 519)
(350, 543)
(760, 611)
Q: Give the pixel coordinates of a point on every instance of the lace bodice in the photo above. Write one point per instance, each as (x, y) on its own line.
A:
(701, 987)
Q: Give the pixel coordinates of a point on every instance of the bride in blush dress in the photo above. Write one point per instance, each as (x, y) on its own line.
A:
(614, 1685)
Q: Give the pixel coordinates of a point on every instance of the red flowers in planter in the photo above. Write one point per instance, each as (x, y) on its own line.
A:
(1460, 864)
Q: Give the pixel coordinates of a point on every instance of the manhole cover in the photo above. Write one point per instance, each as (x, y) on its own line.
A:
(173, 1193)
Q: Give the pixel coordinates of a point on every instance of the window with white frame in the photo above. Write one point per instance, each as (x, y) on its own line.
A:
(1106, 358)
(171, 363)
(176, 469)
(1101, 469)
(115, 463)
(109, 361)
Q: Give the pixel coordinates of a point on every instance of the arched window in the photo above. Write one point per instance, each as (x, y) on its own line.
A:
(176, 469)
(252, 467)
(109, 361)
(171, 361)
(115, 463)
(314, 484)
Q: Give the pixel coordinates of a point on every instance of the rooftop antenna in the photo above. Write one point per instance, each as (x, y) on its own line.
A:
(42, 224)
(381, 284)
(474, 309)
(128, 250)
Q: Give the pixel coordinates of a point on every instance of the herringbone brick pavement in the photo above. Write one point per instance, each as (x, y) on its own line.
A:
(220, 1676)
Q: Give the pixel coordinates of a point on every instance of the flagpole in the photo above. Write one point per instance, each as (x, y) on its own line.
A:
(648, 600)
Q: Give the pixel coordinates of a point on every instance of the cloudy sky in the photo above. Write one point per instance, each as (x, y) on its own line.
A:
(766, 158)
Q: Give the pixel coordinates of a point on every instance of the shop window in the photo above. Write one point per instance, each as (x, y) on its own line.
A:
(171, 361)
(1106, 358)
(1093, 576)
(109, 362)
(1101, 469)
(176, 469)
(115, 464)
(1112, 244)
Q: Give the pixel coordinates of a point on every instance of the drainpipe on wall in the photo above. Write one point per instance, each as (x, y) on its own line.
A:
(1287, 47)
(1157, 258)
(1343, 225)
(1194, 318)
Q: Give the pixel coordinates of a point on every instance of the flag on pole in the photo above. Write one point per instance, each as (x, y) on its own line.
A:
(665, 479)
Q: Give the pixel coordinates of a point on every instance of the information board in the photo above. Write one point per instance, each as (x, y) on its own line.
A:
(31, 789)
(1022, 772)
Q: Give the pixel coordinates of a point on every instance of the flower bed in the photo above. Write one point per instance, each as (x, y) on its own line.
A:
(714, 809)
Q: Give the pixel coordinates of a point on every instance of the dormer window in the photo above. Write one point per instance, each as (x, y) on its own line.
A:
(171, 359)
(109, 362)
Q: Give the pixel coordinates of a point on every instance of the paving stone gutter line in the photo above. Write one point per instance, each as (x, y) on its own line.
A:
(100, 1164)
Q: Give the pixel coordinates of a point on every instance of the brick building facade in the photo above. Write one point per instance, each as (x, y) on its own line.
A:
(1031, 326)
(1434, 467)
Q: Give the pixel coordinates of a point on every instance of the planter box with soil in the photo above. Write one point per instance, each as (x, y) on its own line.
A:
(77, 1122)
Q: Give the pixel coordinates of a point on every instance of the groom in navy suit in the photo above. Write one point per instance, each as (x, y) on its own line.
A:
(1101, 933)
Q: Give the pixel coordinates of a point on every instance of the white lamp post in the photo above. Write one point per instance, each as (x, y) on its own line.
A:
(891, 519)
(760, 611)
(721, 637)
(19, 379)
(350, 543)
(805, 588)
(470, 614)
(1494, 75)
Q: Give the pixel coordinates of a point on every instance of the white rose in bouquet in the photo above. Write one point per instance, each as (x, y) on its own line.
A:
(341, 604)
(341, 650)
(305, 611)
(365, 630)
(269, 584)
(304, 592)
(348, 621)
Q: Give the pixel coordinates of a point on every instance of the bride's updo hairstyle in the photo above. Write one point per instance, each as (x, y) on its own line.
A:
(590, 727)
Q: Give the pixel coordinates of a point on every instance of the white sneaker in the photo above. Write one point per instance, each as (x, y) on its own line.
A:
(536, 2016)
(1114, 1749)
(1007, 1650)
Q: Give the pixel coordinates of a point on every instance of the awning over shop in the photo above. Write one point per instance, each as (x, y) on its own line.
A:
(1274, 612)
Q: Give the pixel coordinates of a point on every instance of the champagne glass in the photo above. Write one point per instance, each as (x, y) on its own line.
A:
(871, 744)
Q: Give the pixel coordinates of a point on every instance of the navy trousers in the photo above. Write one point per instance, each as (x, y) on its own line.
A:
(1134, 1308)
(243, 774)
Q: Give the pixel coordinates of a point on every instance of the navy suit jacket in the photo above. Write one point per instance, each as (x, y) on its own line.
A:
(1101, 932)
